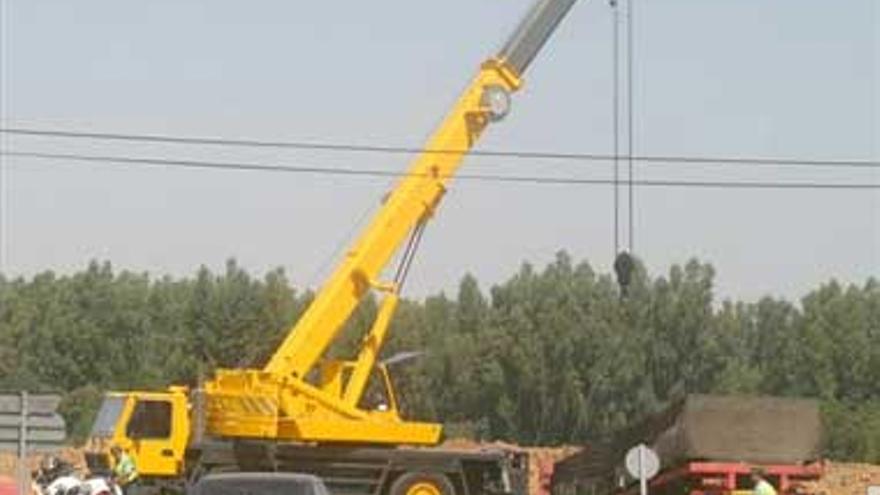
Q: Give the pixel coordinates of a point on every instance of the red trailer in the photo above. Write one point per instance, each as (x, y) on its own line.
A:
(707, 446)
(726, 478)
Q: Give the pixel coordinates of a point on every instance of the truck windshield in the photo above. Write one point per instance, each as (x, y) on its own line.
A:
(108, 415)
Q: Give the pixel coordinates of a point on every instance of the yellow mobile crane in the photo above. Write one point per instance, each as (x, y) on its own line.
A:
(303, 413)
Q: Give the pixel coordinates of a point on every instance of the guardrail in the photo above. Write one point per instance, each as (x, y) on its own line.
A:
(30, 423)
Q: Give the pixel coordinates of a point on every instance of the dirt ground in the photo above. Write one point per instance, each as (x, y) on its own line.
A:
(846, 479)
(9, 462)
(541, 460)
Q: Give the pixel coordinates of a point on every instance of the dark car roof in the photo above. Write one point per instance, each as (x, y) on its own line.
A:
(263, 476)
(259, 483)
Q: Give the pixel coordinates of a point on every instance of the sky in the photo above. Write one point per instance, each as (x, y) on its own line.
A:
(749, 78)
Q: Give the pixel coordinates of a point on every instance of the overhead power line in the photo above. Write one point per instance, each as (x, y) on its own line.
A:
(348, 147)
(630, 118)
(615, 116)
(524, 179)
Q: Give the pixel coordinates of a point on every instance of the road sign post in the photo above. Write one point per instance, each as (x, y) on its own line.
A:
(643, 464)
(643, 478)
(22, 446)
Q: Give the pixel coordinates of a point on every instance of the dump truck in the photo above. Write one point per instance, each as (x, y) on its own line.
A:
(707, 445)
(304, 412)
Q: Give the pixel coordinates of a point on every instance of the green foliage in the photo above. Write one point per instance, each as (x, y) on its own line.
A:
(852, 430)
(79, 408)
(552, 355)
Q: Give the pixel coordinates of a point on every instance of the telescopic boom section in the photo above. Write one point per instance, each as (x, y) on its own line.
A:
(417, 195)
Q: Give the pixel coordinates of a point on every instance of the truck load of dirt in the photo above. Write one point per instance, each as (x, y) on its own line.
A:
(755, 430)
(760, 430)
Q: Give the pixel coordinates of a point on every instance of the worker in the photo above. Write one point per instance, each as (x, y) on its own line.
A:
(125, 472)
(762, 486)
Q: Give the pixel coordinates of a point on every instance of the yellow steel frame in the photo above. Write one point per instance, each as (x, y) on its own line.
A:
(413, 200)
(277, 401)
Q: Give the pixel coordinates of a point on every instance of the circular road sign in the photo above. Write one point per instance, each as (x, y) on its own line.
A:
(642, 462)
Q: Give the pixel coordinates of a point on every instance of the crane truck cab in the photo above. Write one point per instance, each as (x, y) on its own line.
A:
(154, 427)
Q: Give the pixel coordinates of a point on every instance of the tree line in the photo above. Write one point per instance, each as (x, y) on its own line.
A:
(550, 356)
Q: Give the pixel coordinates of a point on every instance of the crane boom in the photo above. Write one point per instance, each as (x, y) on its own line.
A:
(284, 400)
(411, 202)
(417, 195)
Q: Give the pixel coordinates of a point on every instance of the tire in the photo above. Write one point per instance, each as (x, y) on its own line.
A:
(422, 483)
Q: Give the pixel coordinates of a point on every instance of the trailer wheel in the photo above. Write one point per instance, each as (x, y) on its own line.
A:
(422, 483)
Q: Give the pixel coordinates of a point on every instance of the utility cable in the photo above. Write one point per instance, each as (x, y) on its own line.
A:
(615, 117)
(347, 147)
(522, 179)
(630, 113)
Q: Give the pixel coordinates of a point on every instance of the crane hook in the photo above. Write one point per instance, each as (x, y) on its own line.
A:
(623, 267)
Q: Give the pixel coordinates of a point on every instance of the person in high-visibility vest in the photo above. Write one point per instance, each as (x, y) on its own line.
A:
(762, 486)
(125, 472)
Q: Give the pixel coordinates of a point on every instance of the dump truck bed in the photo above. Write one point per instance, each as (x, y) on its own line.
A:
(709, 430)
(760, 430)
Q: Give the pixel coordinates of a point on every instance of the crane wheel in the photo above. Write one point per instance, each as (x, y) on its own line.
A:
(422, 483)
